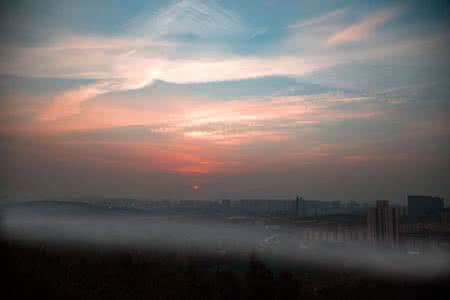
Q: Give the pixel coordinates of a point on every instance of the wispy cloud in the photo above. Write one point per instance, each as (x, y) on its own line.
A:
(134, 72)
(134, 60)
(324, 18)
(206, 131)
(361, 30)
(196, 18)
(68, 103)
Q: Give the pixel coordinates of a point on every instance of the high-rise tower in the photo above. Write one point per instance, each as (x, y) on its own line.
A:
(382, 222)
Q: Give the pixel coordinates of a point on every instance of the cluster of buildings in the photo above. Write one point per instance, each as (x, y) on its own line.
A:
(299, 207)
(270, 207)
(419, 209)
(383, 220)
(422, 221)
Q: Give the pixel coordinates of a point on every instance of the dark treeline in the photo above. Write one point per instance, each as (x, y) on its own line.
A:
(61, 272)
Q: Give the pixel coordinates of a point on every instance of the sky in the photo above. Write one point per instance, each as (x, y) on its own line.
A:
(215, 99)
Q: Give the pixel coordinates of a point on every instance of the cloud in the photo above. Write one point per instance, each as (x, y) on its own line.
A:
(234, 122)
(198, 136)
(361, 30)
(236, 68)
(197, 18)
(147, 53)
(134, 72)
(324, 18)
(68, 103)
(134, 60)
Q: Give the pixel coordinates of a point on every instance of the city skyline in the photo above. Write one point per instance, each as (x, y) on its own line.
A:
(225, 100)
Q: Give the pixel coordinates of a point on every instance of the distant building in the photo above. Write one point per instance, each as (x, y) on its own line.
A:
(402, 210)
(424, 208)
(261, 206)
(300, 207)
(372, 223)
(382, 222)
(226, 203)
(445, 216)
(297, 207)
(336, 204)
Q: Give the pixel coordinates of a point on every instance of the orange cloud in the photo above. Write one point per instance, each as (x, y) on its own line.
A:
(184, 135)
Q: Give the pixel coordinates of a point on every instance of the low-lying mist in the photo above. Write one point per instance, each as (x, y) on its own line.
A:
(117, 229)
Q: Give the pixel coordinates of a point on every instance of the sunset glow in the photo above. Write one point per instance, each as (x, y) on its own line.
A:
(233, 96)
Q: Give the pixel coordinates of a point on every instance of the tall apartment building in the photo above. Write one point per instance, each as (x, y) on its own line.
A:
(382, 222)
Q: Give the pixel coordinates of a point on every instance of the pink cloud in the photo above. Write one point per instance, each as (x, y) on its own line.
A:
(362, 29)
(196, 135)
(68, 103)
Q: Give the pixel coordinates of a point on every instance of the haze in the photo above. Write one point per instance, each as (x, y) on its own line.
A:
(84, 226)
